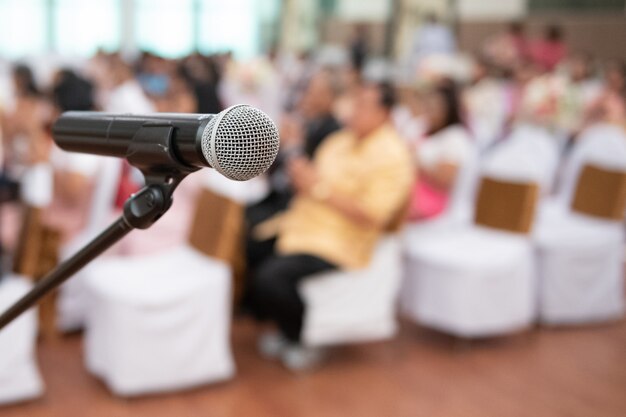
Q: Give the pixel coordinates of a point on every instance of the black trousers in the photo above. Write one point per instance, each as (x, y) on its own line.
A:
(273, 288)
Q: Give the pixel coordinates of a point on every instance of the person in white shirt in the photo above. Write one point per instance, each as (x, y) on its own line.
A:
(408, 116)
(433, 38)
(440, 154)
(126, 96)
(484, 100)
(578, 90)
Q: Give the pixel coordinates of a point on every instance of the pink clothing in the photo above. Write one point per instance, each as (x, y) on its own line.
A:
(427, 201)
(548, 54)
(451, 144)
(10, 220)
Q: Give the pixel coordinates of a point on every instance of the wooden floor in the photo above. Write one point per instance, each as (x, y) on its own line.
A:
(552, 373)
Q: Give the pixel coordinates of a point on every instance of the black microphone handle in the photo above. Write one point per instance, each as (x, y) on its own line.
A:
(110, 134)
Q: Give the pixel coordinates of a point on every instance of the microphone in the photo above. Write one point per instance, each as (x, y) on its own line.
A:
(240, 142)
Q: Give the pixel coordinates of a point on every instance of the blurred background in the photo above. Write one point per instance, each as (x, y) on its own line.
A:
(468, 258)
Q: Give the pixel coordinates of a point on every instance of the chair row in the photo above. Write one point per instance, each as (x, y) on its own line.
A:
(161, 322)
(504, 270)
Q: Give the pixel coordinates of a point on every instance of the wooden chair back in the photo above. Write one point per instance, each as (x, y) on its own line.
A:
(217, 230)
(37, 253)
(600, 192)
(505, 205)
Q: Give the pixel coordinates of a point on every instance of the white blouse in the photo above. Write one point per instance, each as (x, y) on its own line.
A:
(450, 145)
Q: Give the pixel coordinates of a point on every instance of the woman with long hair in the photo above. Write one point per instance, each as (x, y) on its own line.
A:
(440, 153)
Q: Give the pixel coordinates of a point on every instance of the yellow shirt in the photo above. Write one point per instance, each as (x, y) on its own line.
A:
(376, 172)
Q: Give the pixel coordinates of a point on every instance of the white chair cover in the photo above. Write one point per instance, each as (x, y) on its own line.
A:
(580, 258)
(19, 375)
(159, 322)
(601, 144)
(125, 98)
(71, 302)
(529, 153)
(472, 281)
(37, 185)
(354, 306)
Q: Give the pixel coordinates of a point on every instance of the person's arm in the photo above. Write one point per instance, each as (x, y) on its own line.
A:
(74, 176)
(443, 175)
(291, 136)
(453, 151)
(348, 207)
(71, 187)
(385, 189)
(306, 181)
(6, 124)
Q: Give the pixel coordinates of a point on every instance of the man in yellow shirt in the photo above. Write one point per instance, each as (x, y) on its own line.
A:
(356, 185)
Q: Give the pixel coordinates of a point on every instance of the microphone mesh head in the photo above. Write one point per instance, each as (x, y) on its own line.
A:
(240, 142)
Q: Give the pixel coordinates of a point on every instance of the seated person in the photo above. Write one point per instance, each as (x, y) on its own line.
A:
(24, 148)
(357, 183)
(440, 154)
(301, 134)
(74, 173)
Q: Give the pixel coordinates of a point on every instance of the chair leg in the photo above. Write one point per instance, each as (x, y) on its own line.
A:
(49, 258)
(47, 318)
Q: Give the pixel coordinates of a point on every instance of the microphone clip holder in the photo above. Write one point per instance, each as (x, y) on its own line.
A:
(162, 174)
(153, 143)
(146, 206)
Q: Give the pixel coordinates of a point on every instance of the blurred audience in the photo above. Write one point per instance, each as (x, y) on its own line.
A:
(359, 48)
(517, 86)
(126, 94)
(203, 76)
(74, 173)
(333, 190)
(507, 49)
(24, 126)
(483, 100)
(615, 77)
(550, 50)
(578, 90)
(515, 78)
(433, 38)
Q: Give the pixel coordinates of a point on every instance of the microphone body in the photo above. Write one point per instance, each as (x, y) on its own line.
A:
(110, 134)
(240, 142)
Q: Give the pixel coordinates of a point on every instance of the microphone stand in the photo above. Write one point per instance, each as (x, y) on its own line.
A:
(141, 211)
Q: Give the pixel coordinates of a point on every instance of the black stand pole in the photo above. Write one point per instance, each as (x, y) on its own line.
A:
(140, 212)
